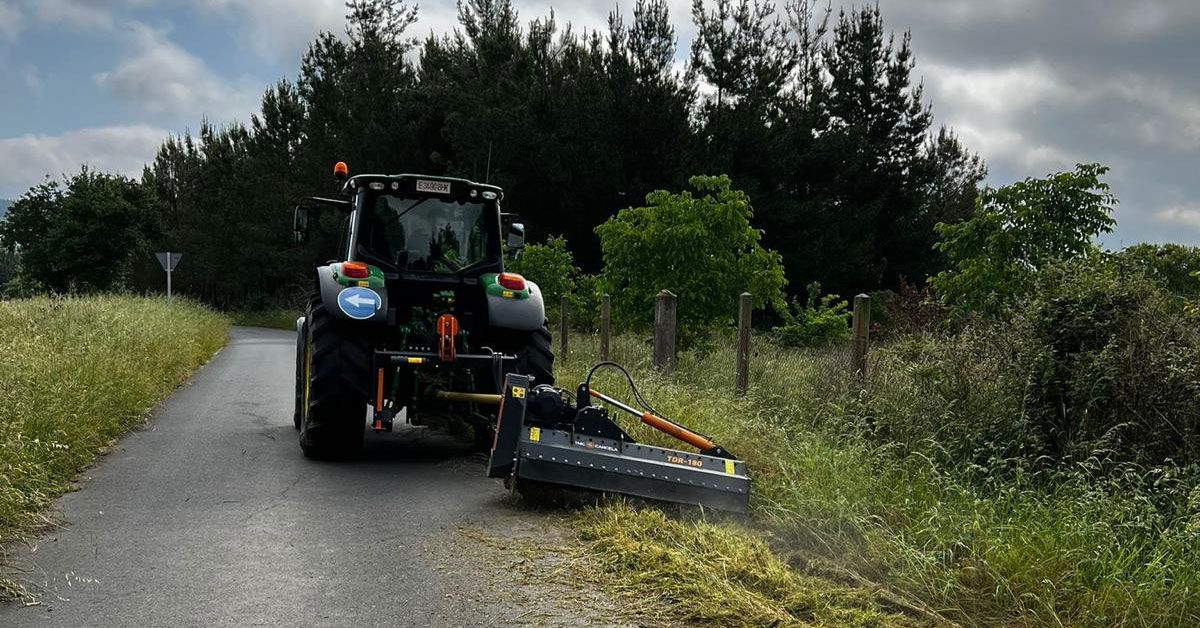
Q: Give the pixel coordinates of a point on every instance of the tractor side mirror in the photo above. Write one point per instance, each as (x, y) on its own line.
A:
(516, 236)
(300, 224)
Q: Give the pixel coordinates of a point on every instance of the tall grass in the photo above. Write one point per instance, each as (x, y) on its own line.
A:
(77, 372)
(839, 491)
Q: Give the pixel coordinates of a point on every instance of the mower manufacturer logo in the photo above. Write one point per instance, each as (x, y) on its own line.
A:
(437, 187)
(359, 303)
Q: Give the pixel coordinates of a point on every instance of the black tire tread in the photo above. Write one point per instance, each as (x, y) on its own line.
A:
(339, 388)
(536, 357)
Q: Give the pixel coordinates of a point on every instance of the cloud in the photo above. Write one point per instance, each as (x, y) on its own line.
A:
(33, 81)
(282, 29)
(161, 77)
(80, 13)
(1187, 216)
(1035, 87)
(29, 159)
(85, 14)
(11, 21)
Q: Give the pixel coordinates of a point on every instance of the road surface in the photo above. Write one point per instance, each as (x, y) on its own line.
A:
(210, 516)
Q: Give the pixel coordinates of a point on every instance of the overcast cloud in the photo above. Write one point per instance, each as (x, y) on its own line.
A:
(1033, 86)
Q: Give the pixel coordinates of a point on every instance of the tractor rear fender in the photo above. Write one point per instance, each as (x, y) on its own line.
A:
(356, 303)
(518, 314)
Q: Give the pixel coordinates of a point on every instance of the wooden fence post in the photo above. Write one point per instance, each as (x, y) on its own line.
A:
(742, 374)
(564, 313)
(862, 334)
(664, 332)
(605, 330)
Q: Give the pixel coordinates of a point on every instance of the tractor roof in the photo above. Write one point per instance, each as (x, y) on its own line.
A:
(424, 184)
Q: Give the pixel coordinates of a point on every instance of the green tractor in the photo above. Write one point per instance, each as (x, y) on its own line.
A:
(416, 321)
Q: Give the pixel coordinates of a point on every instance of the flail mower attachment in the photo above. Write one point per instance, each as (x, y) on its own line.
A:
(542, 438)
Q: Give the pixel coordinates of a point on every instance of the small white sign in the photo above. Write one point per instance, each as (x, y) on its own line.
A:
(168, 260)
(437, 187)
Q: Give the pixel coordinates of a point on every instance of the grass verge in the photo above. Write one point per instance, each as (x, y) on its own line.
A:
(846, 511)
(75, 373)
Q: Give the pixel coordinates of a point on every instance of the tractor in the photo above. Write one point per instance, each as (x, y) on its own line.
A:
(416, 320)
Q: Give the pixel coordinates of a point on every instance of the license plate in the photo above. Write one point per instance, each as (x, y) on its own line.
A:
(437, 187)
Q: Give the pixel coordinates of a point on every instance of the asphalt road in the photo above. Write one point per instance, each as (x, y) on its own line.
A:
(210, 516)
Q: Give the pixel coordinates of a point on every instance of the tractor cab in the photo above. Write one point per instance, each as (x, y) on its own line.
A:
(421, 225)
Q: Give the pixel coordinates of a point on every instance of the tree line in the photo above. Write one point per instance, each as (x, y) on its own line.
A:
(815, 115)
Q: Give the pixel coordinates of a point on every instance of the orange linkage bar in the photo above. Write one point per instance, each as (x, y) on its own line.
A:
(378, 399)
(447, 330)
(665, 426)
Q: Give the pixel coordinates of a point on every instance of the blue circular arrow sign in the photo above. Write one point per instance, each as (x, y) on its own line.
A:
(359, 303)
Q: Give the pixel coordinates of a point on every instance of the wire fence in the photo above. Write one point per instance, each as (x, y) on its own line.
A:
(713, 363)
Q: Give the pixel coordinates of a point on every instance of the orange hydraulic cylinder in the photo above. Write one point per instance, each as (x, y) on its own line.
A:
(663, 425)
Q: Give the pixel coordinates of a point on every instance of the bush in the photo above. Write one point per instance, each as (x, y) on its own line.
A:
(552, 267)
(1113, 365)
(702, 248)
(1099, 365)
(908, 310)
(820, 320)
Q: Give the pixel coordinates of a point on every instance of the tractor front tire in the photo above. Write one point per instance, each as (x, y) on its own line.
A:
(338, 368)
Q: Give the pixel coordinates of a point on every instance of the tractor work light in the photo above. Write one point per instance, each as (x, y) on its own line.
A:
(511, 281)
(355, 270)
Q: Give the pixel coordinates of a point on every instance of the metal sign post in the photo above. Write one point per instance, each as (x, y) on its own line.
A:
(168, 261)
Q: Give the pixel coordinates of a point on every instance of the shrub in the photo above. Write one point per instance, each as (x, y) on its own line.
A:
(909, 310)
(702, 248)
(1099, 366)
(1113, 365)
(820, 320)
(552, 267)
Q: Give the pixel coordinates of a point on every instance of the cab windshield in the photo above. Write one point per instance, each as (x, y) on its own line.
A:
(429, 234)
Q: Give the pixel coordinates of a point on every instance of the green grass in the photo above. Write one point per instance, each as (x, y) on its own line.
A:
(75, 373)
(842, 508)
(279, 318)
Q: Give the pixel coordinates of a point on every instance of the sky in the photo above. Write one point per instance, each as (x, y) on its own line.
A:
(1032, 86)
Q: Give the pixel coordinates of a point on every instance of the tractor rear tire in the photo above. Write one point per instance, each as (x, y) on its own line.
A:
(339, 377)
(536, 357)
(301, 363)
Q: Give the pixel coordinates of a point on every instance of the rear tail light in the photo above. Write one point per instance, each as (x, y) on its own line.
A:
(511, 281)
(355, 270)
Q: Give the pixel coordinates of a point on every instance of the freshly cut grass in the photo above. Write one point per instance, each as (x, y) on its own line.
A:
(74, 374)
(716, 574)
